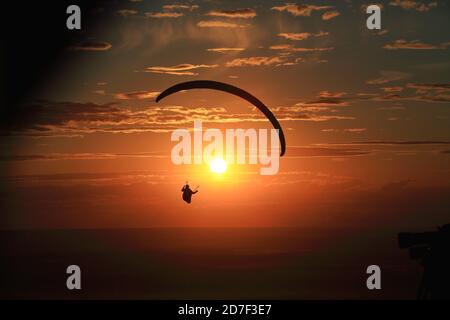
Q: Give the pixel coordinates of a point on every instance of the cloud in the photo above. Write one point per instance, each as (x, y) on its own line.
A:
(48, 118)
(164, 14)
(350, 130)
(355, 130)
(413, 45)
(127, 12)
(254, 61)
(136, 95)
(427, 97)
(300, 10)
(42, 117)
(322, 110)
(364, 6)
(218, 24)
(389, 76)
(91, 46)
(440, 87)
(392, 89)
(170, 7)
(330, 15)
(403, 142)
(78, 156)
(181, 69)
(291, 48)
(239, 13)
(302, 35)
(439, 98)
(424, 92)
(324, 102)
(73, 119)
(413, 5)
(225, 50)
(327, 94)
(295, 151)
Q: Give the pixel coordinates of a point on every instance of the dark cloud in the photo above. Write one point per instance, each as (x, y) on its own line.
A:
(300, 10)
(325, 102)
(127, 12)
(79, 156)
(409, 142)
(246, 13)
(41, 116)
(413, 5)
(324, 152)
(429, 86)
(291, 48)
(91, 46)
(413, 45)
(389, 76)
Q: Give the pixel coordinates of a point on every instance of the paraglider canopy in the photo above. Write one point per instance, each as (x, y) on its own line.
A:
(215, 85)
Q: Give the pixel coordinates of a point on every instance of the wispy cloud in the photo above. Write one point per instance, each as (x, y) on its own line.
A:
(246, 13)
(300, 10)
(254, 61)
(402, 142)
(349, 130)
(164, 14)
(392, 89)
(291, 48)
(413, 5)
(389, 76)
(171, 7)
(301, 35)
(364, 6)
(127, 12)
(414, 45)
(330, 15)
(325, 152)
(225, 50)
(139, 95)
(328, 94)
(181, 69)
(324, 102)
(218, 24)
(91, 46)
(440, 87)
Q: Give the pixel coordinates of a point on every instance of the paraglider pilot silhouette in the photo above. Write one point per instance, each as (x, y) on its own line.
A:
(187, 192)
(220, 86)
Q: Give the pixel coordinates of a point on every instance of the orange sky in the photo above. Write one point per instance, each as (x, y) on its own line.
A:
(365, 114)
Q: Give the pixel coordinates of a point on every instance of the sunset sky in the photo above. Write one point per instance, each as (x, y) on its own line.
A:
(365, 114)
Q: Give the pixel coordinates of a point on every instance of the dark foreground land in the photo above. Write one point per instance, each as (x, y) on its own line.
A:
(223, 263)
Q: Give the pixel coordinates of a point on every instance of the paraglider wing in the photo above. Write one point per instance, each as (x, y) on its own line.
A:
(215, 85)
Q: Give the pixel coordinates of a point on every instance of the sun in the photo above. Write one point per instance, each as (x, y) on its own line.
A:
(218, 165)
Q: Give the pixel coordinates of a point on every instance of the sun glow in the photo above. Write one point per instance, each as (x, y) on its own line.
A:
(218, 165)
